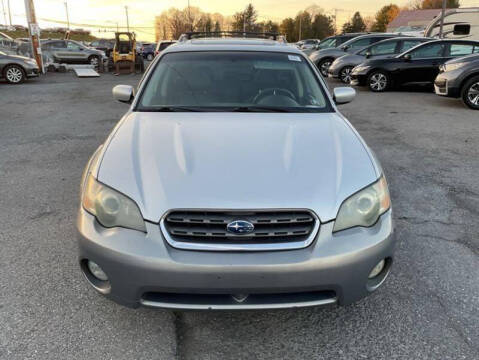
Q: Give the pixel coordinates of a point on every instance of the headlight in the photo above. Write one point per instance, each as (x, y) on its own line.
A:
(111, 208)
(454, 66)
(364, 207)
(361, 68)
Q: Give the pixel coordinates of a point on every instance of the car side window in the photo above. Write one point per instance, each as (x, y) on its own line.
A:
(461, 49)
(359, 44)
(383, 49)
(95, 43)
(476, 49)
(57, 45)
(428, 51)
(408, 44)
(73, 46)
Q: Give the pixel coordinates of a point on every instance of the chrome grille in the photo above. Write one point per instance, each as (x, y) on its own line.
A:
(207, 229)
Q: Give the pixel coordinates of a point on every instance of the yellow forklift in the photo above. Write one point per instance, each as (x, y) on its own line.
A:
(124, 56)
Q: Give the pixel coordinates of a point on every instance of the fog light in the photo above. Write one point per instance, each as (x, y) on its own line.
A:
(377, 269)
(96, 271)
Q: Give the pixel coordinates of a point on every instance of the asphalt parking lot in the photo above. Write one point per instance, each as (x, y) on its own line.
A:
(428, 308)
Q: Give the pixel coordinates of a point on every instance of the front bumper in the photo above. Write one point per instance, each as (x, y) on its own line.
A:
(358, 79)
(32, 72)
(448, 84)
(144, 270)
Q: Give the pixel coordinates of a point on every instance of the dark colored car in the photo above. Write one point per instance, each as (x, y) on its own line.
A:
(342, 67)
(324, 58)
(459, 78)
(148, 51)
(417, 66)
(15, 69)
(337, 40)
(105, 45)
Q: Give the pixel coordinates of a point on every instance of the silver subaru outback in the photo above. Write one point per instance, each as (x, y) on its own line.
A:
(233, 182)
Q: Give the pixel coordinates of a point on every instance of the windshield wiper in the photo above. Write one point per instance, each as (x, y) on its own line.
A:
(172, 109)
(260, 109)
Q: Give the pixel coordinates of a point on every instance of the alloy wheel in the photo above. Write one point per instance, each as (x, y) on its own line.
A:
(325, 67)
(149, 57)
(473, 94)
(94, 61)
(345, 75)
(378, 82)
(14, 75)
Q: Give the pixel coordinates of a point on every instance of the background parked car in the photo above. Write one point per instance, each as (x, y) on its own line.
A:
(70, 51)
(15, 69)
(332, 42)
(341, 67)
(148, 51)
(105, 45)
(324, 58)
(460, 78)
(309, 44)
(419, 65)
(162, 45)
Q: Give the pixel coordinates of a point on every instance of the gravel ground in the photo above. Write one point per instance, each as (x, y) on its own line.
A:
(428, 308)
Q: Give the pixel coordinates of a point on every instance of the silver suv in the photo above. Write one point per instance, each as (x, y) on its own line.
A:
(70, 51)
(233, 182)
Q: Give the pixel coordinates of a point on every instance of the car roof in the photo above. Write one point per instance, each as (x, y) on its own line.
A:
(232, 44)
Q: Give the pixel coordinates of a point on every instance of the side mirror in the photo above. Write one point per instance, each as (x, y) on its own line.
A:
(343, 95)
(368, 55)
(407, 57)
(462, 29)
(124, 93)
(346, 48)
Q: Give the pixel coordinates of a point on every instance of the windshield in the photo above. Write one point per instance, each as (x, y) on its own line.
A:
(226, 81)
(331, 42)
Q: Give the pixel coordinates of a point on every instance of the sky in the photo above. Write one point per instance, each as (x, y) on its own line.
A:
(142, 12)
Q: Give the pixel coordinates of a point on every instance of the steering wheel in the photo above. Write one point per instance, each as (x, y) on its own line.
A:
(273, 92)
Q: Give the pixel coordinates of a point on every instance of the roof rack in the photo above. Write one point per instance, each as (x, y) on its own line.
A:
(233, 34)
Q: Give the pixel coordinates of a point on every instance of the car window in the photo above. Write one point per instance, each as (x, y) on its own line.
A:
(56, 44)
(408, 44)
(359, 44)
(73, 46)
(461, 49)
(164, 45)
(327, 43)
(386, 48)
(95, 43)
(476, 49)
(203, 79)
(428, 51)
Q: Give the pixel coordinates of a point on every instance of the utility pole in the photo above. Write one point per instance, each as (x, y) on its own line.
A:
(9, 13)
(300, 22)
(4, 12)
(189, 17)
(443, 13)
(34, 32)
(68, 17)
(127, 20)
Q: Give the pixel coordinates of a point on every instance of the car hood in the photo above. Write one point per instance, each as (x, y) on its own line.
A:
(223, 160)
(332, 52)
(17, 57)
(464, 59)
(350, 59)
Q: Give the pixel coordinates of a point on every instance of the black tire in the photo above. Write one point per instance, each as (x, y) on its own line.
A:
(470, 93)
(378, 81)
(14, 74)
(345, 74)
(94, 60)
(324, 65)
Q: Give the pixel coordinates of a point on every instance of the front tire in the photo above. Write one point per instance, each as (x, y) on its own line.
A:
(94, 60)
(378, 81)
(14, 74)
(324, 65)
(470, 93)
(345, 74)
